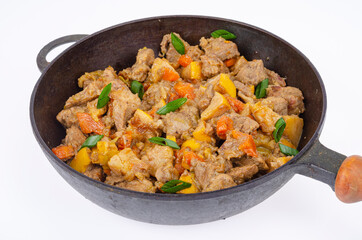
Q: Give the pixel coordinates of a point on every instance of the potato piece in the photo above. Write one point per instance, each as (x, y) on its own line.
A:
(226, 85)
(293, 129)
(218, 106)
(199, 133)
(265, 117)
(190, 179)
(81, 161)
(192, 71)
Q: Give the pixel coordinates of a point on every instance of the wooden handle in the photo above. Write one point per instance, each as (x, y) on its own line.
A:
(348, 184)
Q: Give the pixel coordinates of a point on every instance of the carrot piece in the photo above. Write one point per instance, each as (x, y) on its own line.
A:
(178, 161)
(173, 96)
(237, 105)
(88, 125)
(230, 62)
(185, 90)
(188, 156)
(248, 145)
(170, 75)
(223, 125)
(125, 140)
(184, 60)
(63, 152)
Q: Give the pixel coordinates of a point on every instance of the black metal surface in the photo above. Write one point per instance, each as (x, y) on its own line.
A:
(117, 46)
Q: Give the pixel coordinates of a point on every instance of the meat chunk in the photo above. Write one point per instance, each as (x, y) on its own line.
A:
(274, 78)
(204, 96)
(194, 52)
(243, 124)
(251, 72)
(243, 174)
(87, 78)
(160, 160)
(230, 148)
(68, 117)
(278, 104)
(168, 49)
(154, 94)
(293, 96)
(128, 165)
(245, 92)
(95, 172)
(74, 137)
(221, 48)
(140, 69)
(219, 182)
(212, 66)
(123, 103)
(143, 126)
(89, 93)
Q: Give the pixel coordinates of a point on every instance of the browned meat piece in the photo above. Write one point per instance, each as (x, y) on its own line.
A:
(219, 182)
(160, 159)
(114, 179)
(212, 66)
(167, 49)
(68, 117)
(128, 165)
(95, 172)
(230, 148)
(238, 64)
(221, 48)
(247, 161)
(89, 93)
(242, 174)
(143, 126)
(274, 78)
(245, 92)
(204, 96)
(123, 103)
(138, 185)
(278, 104)
(251, 73)
(154, 94)
(293, 95)
(74, 137)
(140, 69)
(243, 124)
(194, 52)
(87, 78)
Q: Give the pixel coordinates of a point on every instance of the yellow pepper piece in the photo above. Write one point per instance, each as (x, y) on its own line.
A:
(172, 138)
(105, 150)
(195, 72)
(192, 144)
(199, 133)
(227, 85)
(287, 143)
(293, 129)
(192, 189)
(218, 106)
(252, 88)
(81, 161)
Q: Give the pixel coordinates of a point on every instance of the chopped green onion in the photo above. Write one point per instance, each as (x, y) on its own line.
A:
(260, 90)
(103, 98)
(171, 106)
(177, 44)
(279, 129)
(91, 141)
(174, 186)
(288, 150)
(164, 142)
(223, 33)
(137, 87)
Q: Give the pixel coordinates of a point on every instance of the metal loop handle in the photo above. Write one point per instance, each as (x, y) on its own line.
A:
(41, 58)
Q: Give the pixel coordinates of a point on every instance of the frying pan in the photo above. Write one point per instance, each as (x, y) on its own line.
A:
(117, 46)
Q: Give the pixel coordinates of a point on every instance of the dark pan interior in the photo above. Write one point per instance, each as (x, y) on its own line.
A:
(117, 46)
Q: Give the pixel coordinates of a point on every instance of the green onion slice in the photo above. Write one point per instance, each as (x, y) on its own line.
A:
(164, 142)
(288, 150)
(174, 186)
(171, 106)
(279, 129)
(260, 90)
(103, 98)
(177, 44)
(223, 33)
(137, 87)
(91, 141)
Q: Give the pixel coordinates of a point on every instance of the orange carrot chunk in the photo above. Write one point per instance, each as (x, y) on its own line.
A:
(185, 90)
(125, 141)
(223, 125)
(63, 152)
(184, 60)
(88, 125)
(170, 75)
(230, 62)
(248, 145)
(237, 105)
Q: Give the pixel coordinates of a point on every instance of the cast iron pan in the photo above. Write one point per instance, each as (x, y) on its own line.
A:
(117, 46)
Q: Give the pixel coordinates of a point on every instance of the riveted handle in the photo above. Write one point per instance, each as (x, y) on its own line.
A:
(348, 184)
(41, 58)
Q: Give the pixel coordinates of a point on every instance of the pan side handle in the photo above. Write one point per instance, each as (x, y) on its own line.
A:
(41, 58)
(343, 175)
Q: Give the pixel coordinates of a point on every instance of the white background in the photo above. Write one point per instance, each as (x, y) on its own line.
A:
(36, 203)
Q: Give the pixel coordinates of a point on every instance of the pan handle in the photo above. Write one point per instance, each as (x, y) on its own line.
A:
(344, 175)
(41, 58)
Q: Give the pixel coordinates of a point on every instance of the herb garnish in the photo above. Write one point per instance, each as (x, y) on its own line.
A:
(103, 98)
(260, 90)
(91, 141)
(171, 106)
(279, 129)
(177, 44)
(137, 87)
(223, 33)
(174, 186)
(164, 142)
(288, 150)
